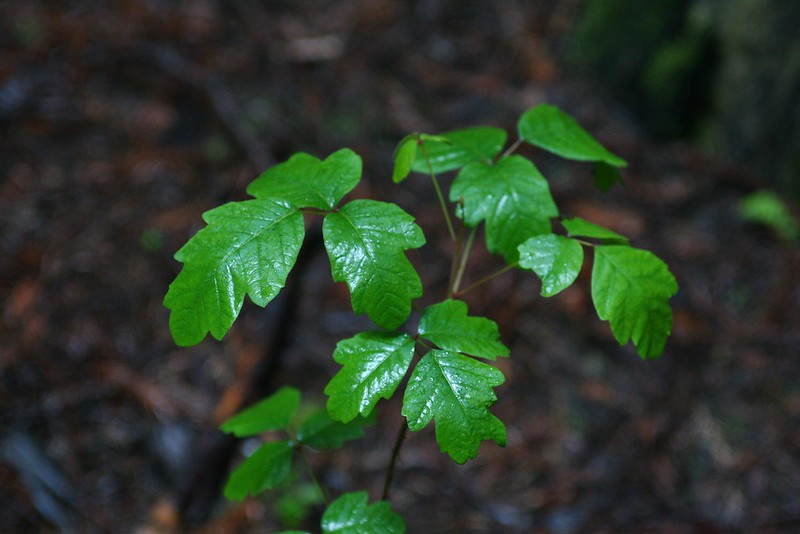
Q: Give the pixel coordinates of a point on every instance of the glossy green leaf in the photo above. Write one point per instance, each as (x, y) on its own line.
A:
(373, 363)
(247, 248)
(272, 413)
(631, 289)
(404, 156)
(305, 181)
(606, 176)
(511, 196)
(447, 325)
(556, 259)
(481, 143)
(351, 514)
(322, 432)
(577, 227)
(456, 391)
(265, 469)
(550, 128)
(365, 240)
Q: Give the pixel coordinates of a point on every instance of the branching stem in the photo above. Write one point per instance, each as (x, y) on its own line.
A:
(486, 279)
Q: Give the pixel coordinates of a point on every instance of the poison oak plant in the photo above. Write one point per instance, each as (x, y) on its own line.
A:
(249, 247)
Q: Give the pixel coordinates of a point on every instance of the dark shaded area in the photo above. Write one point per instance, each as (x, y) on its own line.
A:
(725, 74)
(123, 121)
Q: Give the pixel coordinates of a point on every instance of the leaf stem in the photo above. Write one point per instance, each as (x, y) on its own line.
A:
(442, 202)
(510, 150)
(454, 262)
(462, 266)
(486, 279)
(398, 443)
(304, 456)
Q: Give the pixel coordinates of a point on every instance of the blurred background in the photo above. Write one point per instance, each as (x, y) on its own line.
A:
(123, 121)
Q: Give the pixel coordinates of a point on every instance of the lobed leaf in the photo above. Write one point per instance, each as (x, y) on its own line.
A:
(447, 325)
(265, 469)
(556, 259)
(373, 363)
(550, 128)
(365, 240)
(351, 514)
(247, 248)
(456, 391)
(322, 432)
(631, 289)
(511, 196)
(305, 181)
(404, 156)
(272, 413)
(459, 147)
(577, 227)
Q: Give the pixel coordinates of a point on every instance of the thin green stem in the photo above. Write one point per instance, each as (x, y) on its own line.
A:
(439, 194)
(454, 262)
(398, 443)
(486, 279)
(510, 150)
(462, 266)
(324, 493)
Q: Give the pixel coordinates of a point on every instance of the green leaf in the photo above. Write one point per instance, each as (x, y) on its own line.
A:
(606, 176)
(512, 196)
(631, 289)
(456, 391)
(481, 143)
(577, 227)
(404, 157)
(247, 248)
(265, 469)
(306, 182)
(273, 413)
(550, 128)
(373, 363)
(321, 432)
(351, 514)
(447, 325)
(556, 259)
(365, 241)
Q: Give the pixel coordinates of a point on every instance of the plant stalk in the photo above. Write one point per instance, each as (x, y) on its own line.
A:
(438, 189)
(398, 443)
(462, 266)
(454, 262)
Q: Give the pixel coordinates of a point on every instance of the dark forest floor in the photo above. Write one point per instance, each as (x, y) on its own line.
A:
(123, 121)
